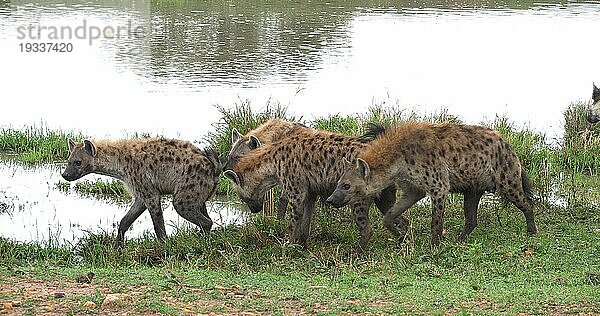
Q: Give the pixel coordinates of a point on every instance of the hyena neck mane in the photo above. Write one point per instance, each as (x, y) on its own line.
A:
(257, 165)
(110, 158)
(396, 144)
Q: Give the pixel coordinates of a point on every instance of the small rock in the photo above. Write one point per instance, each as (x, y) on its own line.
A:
(59, 294)
(89, 304)
(16, 303)
(48, 306)
(112, 299)
(7, 306)
(87, 278)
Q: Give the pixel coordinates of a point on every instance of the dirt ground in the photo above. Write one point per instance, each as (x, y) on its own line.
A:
(24, 295)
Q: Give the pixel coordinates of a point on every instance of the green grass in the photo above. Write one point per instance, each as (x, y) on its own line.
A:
(36, 144)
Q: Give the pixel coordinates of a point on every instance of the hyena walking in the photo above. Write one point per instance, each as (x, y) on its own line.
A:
(267, 133)
(593, 115)
(307, 165)
(150, 168)
(424, 158)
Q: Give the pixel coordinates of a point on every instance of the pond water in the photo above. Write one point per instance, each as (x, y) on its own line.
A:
(525, 59)
(32, 208)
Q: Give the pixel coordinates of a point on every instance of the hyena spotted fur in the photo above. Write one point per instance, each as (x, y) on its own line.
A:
(435, 160)
(151, 168)
(593, 115)
(307, 165)
(267, 133)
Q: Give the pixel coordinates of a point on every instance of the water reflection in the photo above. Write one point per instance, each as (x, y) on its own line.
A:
(35, 210)
(477, 58)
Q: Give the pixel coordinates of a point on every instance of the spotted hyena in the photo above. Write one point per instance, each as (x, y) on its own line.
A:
(307, 164)
(593, 115)
(268, 132)
(151, 168)
(435, 160)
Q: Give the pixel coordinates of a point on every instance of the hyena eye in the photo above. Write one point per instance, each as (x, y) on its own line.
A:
(78, 163)
(346, 187)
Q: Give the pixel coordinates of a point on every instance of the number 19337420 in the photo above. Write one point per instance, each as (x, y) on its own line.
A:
(48, 47)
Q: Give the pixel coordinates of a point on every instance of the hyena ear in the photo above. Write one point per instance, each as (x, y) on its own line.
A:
(231, 175)
(596, 93)
(90, 148)
(253, 142)
(363, 168)
(71, 144)
(235, 135)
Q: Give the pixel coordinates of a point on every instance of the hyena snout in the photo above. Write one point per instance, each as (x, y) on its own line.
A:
(70, 174)
(255, 206)
(336, 199)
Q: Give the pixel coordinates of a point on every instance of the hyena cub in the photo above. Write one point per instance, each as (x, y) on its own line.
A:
(593, 115)
(267, 133)
(307, 165)
(150, 168)
(424, 158)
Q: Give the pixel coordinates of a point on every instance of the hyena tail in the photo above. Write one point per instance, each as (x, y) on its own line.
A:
(372, 131)
(217, 161)
(526, 185)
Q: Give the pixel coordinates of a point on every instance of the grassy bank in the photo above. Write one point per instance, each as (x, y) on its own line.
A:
(35, 144)
(252, 268)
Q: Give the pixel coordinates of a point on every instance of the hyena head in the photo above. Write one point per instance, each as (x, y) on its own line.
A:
(240, 147)
(81, 160)
(593, 115)
(352, 185)
(251, 192)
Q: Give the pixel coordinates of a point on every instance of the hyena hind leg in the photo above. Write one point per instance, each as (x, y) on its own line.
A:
(519, 199)
(193, 210)
(471, 204)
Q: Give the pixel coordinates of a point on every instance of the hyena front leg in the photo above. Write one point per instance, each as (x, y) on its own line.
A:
(309, 207)
(438, 202)
(394, 219)
(471, 203)
(386, 199)
(360, 211)
(296, 217)
(153, 204)
(134, 212)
